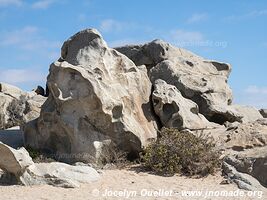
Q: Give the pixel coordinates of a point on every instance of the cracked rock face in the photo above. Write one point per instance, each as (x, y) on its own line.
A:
(200, 80)
(96, 94)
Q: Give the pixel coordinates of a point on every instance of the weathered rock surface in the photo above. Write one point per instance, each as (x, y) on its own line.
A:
(252, 162)
(14, 161)
(263, 112)
(248, 113)
(174, 110)
(96, 94)
(58, 174)
(238, 137)
(18, 107)
(243, 180)
(200, 80)
(19, 164)
(246, 136)
(244, 146)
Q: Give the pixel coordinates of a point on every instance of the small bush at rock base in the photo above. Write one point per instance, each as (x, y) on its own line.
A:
(181, 152)
(111, 156)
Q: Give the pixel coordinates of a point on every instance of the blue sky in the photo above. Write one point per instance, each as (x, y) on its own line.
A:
(32, 32)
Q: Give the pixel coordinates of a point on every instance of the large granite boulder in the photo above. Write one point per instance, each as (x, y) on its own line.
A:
(200, 80)
(174, 110)
(96, 95)
(18, 107)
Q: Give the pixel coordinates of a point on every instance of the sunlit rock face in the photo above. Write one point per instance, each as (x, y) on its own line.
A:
(176, 111)
(200, 80)
(96, 96)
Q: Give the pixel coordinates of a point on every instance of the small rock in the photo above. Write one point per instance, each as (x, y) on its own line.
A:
(263, 112)
(40, 90)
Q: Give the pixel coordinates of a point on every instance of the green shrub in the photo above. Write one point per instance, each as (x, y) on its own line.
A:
(181, 152)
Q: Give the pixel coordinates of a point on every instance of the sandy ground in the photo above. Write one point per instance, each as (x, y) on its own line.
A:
(130, 184)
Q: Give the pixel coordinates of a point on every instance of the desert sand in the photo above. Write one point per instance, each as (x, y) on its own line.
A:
(132, 185)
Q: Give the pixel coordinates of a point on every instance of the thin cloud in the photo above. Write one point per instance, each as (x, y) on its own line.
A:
(4, 3)
(179, 36)
(42, 4)
(26, 38)
(82, 17)
(18, 36)
(253, 89)
(198, 17)
(257, 13)
(187, 39)
(252, 14)
(111, 25)
(253, 96)
(16, 76)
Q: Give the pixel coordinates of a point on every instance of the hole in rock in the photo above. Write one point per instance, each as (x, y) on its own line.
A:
(220, 66)
(189, 63)
(155, 102)
(177, 123)
(132, 156)
(238, 148)
(218, 119)
(168, 109)
(194, 110)
(117, 111)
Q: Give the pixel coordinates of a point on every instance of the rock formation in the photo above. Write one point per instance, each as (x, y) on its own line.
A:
(96, 94)
(200, 80)
(252, 162)
(18, 107)
(243, 180)
(174, 110)
(40, 90)
(243, 146)
(19, 164)
(99, 97)
(14, 161)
